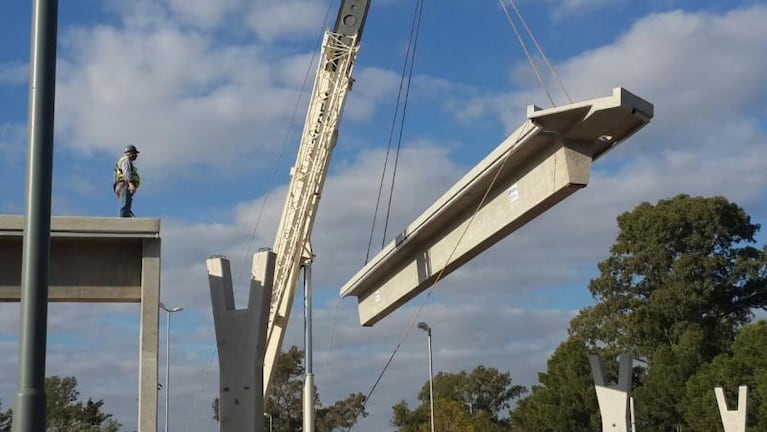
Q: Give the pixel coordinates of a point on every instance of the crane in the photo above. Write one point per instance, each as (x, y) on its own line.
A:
(292, 242)
(248, 340)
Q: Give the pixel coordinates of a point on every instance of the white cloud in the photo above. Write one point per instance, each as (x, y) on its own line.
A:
(12, 142)
(568, 8)
(181, 97)
(170, 93)
(672, 57)
(371, 86)
(204, 13)
(273, 19)
(14, 74)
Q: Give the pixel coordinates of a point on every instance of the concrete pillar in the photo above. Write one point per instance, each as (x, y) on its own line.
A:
(241, 340)
(733, 421)
(148, 336)
(614, 398)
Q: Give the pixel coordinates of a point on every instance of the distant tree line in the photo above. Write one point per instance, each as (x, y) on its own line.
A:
(65, 413)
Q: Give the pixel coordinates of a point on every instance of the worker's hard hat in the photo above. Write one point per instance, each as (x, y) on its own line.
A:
(131, 149)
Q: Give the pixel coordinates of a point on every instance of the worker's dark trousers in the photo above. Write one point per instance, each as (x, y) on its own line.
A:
(126, 201)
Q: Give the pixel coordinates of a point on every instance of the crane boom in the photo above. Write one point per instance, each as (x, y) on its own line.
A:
(291, 245)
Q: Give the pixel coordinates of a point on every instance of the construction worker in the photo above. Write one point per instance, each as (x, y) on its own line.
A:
(126, 179)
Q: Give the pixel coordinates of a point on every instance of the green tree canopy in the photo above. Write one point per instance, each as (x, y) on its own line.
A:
(680, 282)
(64, 412)
(283, 402)
(5, 419)
(746, 365)
(565, 399)
(684, 266)
(660, 391)
(343, 414)
(482, 397)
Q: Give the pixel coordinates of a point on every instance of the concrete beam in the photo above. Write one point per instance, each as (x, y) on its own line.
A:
(92, 259)
(547, 159)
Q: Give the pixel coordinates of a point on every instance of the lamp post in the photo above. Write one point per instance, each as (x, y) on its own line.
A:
(425, 327)
(270, 420)
(167, 357)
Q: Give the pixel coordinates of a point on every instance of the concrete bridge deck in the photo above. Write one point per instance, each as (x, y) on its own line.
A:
(99, 260)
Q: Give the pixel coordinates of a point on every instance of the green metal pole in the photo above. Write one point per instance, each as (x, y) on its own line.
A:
(30, 398)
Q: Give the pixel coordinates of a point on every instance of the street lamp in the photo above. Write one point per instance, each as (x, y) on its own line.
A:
(425, 327)
(167, 357)
(270, 420)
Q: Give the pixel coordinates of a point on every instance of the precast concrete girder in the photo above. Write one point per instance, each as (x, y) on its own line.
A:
(543, 162)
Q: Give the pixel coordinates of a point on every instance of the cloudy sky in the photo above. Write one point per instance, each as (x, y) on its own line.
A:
(213, 94)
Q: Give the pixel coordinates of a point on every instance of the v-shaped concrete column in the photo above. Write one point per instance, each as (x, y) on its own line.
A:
(733, 421)
(241, 340)
(613, 398)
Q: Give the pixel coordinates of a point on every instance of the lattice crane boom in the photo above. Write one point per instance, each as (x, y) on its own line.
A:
(292, 242)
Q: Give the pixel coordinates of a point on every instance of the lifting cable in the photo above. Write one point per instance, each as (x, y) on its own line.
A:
(402, 120)
(409, 60)
(407, 68)
(537, 46)
(267, 194)
(523, 131)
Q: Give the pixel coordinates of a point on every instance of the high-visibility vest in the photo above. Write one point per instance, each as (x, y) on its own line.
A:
(120, 176)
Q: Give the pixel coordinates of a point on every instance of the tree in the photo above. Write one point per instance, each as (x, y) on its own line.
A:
(5, 419)
(286, 391)
(685, 265)
(746, 365)
(342, 414)
(478, 400)
(682, 278)
(284, 401)
(660, 393)
(565, 399)
(65, 413)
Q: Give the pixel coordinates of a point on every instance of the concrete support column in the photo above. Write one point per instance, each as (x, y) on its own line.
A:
(613, 398)
(149, 338)
(241, 340)
(733, 421)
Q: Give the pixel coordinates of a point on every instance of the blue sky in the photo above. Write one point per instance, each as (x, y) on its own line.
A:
(207, 90)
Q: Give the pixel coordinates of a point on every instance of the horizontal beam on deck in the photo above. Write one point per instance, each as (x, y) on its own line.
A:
(64, 226)
(547, 159)
(91, 259)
